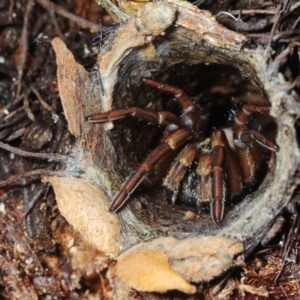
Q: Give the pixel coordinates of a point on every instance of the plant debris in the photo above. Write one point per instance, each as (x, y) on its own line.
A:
(47, 243)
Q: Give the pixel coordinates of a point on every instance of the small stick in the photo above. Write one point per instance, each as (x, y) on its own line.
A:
(27, 108)
(253, 11)
(275, 24)
(55, 157)
(43, 102)
(65, 13)
(38, 172)
(24, 45)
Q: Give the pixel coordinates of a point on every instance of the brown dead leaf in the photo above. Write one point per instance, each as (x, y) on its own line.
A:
(149, 271)
(203, 258)
(71, 79)
(86, 208)
(195, 259)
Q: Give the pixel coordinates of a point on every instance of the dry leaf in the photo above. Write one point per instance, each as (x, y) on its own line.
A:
(203, 258)
(86, 208)
(150, 272)
(71, 80)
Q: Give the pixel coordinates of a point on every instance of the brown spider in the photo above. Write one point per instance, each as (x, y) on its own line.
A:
(220, 170)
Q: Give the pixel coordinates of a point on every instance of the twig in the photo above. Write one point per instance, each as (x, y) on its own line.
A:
(13, 113)
(275, 24)
(24, 45)
(65, 13)
(281, 58)
(56, 26)
(29, 205)
(296, 22)
(11, 9)
(43, 102)
(26, 106)
(55, 157)
(295, 6)
(16, 133)
(284, 34)
(253, 11)
(285, 294)
(39, 172)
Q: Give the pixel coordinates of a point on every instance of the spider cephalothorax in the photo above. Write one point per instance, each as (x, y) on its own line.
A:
(220, 171)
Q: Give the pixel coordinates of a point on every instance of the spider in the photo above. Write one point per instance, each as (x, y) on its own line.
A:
(221, 170)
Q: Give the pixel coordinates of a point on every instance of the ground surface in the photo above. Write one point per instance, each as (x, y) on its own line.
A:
(36, 243)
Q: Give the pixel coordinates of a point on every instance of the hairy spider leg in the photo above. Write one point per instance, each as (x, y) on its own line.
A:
(161, 117)
(173, 142)
(191, 117)
(204, 178)
(218, 178)
(243, 138)
(246, 136)
(193, 120)
(211, 184)
(232, 168)
(212, 167)
(178, 169)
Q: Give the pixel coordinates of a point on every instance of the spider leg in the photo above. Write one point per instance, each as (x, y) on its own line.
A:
(170, 144)
(244, 137)
(178, 169)
(253, 135)
(204, 179)
(232, 168)
(183, 99)
(191, 117)
(247, 109)
(161, 118)
(212, 167)
(218, 180)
